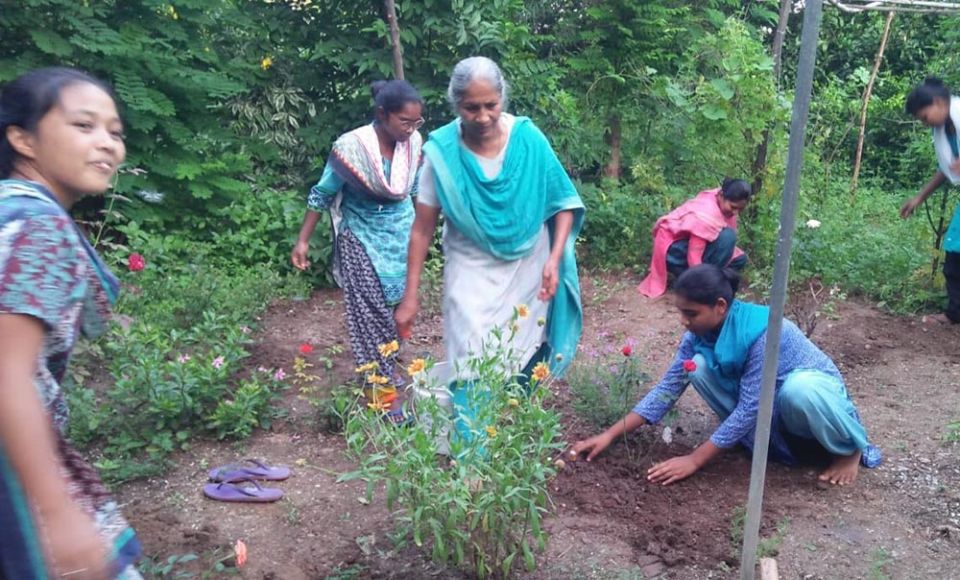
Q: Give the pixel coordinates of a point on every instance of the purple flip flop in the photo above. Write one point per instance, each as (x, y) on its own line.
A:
(231, 491)
(255, 470)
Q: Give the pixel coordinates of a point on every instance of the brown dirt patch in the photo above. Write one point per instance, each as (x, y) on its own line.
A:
(608, 522)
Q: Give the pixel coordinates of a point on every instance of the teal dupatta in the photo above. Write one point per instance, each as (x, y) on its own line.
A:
(727, 355)
(504, 215)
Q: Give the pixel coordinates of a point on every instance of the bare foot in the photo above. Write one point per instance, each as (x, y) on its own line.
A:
(936, 319)
(843, 470)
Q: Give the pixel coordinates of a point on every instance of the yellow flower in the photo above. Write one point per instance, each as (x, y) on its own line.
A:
(389, 348)
(492, 431)
(376, 379)
(266, 63)
(381, 406)
(416, 367)
(523, 311)
(513, 403)
(541, 372)
(370, 366)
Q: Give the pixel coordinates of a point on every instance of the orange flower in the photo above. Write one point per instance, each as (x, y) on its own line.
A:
(376, 379)
(367, 367)
(240, 551)
(523, 311)
(417, 366)
(492, 431)
(541, 371)
(389, 348)
(381, 406)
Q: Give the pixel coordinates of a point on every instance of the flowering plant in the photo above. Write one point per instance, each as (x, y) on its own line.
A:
(136, 262)
(481, 509)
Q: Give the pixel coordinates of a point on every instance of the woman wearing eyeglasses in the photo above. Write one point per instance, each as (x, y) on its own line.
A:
(366, 186)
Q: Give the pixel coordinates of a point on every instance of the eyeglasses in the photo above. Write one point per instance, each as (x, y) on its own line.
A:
(413, 125)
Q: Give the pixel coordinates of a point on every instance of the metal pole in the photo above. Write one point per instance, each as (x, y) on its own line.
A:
(812, 12)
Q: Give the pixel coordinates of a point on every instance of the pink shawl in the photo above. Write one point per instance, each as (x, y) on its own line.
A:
(701, 217)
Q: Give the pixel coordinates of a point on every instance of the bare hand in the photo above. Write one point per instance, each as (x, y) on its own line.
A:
(299, 256)
(908, 207)
(593, 446)
(74, 546)
(955, 166)
(405, 315)
(672, 470)
(551, 278)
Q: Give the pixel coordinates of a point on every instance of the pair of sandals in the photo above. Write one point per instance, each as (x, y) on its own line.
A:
(230, 483)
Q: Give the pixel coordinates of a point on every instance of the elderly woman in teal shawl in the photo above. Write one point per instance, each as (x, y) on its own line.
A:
(721, 355)
(512, 216)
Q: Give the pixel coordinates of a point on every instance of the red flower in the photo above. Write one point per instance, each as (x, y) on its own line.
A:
(136, 262)
(627, 350)
(306, 348)
(689, 365)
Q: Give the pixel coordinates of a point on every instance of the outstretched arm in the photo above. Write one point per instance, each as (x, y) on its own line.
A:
(551, 271)
(913, 203)
(421, 236)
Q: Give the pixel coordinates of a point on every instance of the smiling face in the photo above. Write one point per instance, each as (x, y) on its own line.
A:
(701, 319)
(76, 147)
(934, 114)
(480, 109)
(400, 125)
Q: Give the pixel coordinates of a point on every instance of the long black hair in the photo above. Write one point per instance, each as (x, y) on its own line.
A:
(29, 97)
(924, 94)
(706, 284)
(391, 96)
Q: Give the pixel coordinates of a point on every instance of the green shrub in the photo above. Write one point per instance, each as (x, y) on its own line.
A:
(482, 511)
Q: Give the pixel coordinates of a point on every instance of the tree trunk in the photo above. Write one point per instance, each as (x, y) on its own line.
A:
(614, 140)
(391, 9)
(760, 161)
(866, 102)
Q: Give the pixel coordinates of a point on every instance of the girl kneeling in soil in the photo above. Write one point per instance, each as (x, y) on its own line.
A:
(702, 230)
(366, 185)
(813, 417)
(61, 139)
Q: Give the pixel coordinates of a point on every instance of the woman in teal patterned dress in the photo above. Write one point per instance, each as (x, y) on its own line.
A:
(366, 186)
(60, 139)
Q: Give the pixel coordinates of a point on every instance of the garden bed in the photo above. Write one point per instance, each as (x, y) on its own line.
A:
(608, 522)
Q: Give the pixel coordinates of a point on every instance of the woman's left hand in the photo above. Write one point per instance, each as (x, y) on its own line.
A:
(673, 470)
(551, 277)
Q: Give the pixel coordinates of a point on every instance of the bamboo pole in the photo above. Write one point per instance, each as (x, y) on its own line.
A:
(867, 92)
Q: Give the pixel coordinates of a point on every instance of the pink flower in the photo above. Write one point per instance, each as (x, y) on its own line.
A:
(183, 358)
(689, 365)
(135, 262)
(218, 362)
(279, 375)
(306, 348)
(627, 350)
